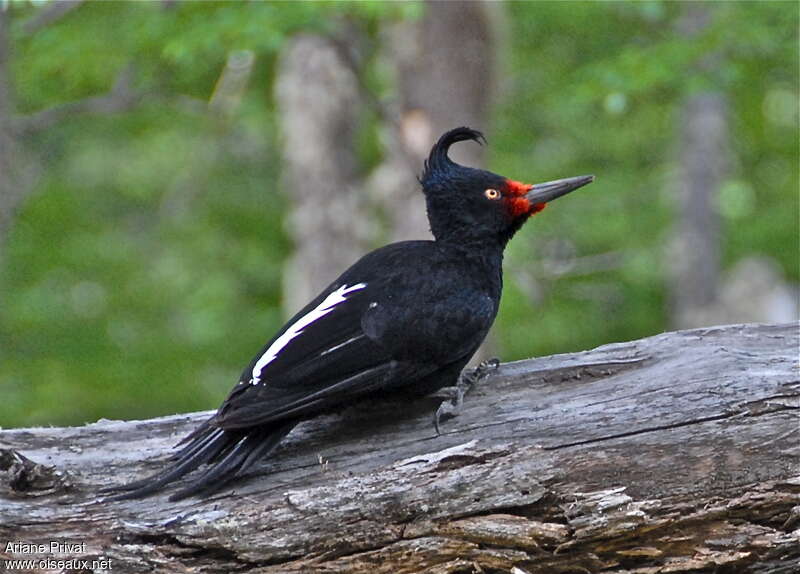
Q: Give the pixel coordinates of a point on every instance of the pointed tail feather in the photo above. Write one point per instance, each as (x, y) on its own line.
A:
(202, 437)
(203, 449)
(200, 430)
(229, 454)
(249, 450)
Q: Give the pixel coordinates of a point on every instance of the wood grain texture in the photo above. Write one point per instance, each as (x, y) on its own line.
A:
(675, 453)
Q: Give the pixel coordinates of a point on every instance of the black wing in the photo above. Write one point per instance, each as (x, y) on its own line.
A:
(322, 358)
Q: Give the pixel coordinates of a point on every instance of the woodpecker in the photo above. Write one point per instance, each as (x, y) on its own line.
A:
(406, 317)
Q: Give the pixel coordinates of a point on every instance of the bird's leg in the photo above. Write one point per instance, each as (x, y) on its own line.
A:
(450, 409)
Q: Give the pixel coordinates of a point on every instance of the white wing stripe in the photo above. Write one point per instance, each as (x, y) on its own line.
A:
(340, 345)
(325, 307)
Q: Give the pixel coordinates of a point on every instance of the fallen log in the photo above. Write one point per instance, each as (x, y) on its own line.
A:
(674, 453)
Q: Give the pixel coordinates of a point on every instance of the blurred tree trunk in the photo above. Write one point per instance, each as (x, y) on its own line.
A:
(443, 66)
(444, 69)
(13, 184)
(319, 105)
(695, 256)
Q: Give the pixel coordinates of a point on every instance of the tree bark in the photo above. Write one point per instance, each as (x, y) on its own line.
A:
(675, 453)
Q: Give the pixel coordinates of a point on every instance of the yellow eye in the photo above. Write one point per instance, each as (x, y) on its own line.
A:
(492, 194)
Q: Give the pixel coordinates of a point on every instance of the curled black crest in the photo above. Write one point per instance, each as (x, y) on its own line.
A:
(438, 160)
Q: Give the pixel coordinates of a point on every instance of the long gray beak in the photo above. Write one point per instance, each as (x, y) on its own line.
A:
(548, 191)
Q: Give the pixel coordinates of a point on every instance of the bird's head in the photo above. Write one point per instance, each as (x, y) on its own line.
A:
(466, 204)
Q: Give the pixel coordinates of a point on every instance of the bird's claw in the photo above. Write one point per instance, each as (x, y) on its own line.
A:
(485, 367)
(450, 409)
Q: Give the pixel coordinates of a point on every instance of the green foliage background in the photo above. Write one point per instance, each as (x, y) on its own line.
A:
(145, 271)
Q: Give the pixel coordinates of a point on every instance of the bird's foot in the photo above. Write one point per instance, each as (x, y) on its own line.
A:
(450, 409)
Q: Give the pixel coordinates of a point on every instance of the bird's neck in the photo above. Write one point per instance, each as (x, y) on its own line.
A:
(485, 258)
(478, 246)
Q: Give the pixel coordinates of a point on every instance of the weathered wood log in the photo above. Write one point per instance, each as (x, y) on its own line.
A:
(675, 453)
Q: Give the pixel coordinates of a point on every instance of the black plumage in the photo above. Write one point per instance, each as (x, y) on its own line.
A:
(405, 317)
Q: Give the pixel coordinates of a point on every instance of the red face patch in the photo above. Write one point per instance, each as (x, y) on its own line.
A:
(515, 199)
(517, 187)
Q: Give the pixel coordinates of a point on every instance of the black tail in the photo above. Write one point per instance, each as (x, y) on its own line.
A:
(229, 453)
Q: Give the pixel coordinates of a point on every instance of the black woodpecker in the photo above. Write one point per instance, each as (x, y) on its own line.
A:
(406, 317)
